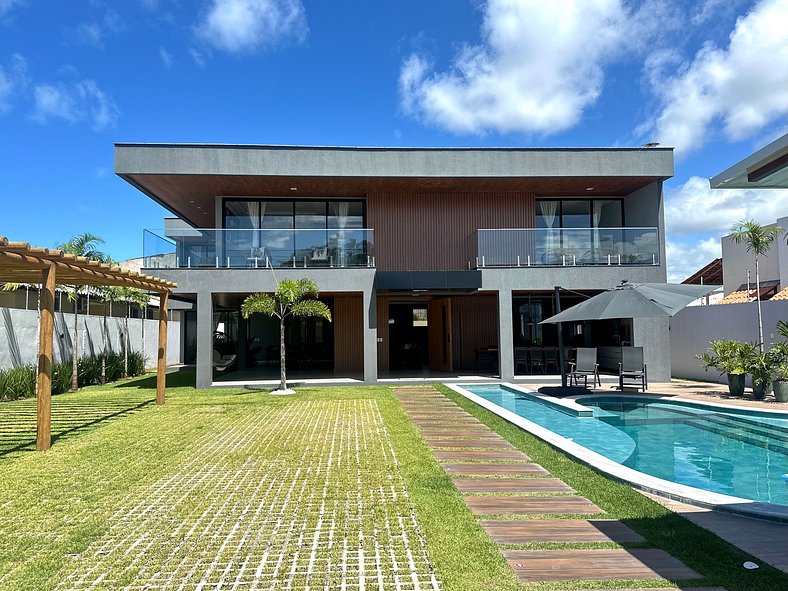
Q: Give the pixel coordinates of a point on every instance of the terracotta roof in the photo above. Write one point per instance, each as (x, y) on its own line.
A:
(22, 263)
(738, 297)
(781, 295)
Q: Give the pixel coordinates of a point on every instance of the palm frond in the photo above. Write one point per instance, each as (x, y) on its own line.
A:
(84, 245)
(782, 328)
(262, 303)
(756, 237)
(287, 291)
(307, 288)
(311, 309)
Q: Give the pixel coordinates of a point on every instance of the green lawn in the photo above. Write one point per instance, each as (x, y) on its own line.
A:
(236, 487)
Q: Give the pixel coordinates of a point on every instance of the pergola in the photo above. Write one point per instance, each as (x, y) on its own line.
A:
(21, 263)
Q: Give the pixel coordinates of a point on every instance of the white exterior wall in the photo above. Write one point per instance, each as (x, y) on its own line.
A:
(693, 328)
(19, 334)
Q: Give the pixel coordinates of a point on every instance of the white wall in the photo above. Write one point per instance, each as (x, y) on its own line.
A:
(693, 328)
(736, 261)
(19, 333)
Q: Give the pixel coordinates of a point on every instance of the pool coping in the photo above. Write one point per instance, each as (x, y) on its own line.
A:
(635, 478)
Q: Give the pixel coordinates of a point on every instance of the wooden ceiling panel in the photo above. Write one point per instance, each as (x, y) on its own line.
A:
(191, 197)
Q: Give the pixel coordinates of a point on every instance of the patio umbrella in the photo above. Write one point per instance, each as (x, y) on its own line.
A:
(628, 300)
(645, 300)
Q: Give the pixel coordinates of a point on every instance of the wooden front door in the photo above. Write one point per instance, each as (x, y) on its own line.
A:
(440, 334)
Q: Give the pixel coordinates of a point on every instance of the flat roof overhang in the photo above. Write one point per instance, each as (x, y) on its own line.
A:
(765, 169)
(185, 178)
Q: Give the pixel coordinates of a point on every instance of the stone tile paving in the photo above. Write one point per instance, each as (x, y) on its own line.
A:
(308, 496)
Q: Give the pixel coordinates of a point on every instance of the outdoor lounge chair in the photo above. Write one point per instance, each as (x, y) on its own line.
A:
(585, 365)
(632, 370)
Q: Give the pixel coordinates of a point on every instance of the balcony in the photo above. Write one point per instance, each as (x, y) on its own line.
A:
(189, 248)
(538, 247)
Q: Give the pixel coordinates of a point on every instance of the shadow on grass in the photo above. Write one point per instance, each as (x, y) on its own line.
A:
(71, 417)
(182, 378)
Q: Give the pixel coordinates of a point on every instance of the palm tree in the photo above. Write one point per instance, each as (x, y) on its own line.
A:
(83, 245)
(291, 298)
(759, 240)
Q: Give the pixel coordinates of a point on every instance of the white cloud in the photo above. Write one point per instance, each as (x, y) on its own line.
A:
(538, 67)
(166, 58)
(83, 101)
(741, 88)
(686, 257)
(93, 33)
(7, 5)
(12, 79)
(694, 207)
(241, 26)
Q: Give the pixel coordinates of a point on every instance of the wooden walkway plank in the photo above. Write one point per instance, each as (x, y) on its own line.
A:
(535, 505)
(484, 443)
(519, 531)
(597, 565)
(512, 485)
(486, 455)
(487, 469)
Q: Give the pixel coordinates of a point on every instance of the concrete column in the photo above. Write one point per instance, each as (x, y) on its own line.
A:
(370, 337)
(505, 336)
(204, 339)
(653, 335)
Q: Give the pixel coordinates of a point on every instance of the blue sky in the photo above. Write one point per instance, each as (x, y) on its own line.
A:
(709, 77)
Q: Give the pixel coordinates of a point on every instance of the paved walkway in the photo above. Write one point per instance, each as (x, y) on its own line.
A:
(500, 483)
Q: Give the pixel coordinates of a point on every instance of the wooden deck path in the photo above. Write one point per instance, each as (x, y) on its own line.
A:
(521, 504)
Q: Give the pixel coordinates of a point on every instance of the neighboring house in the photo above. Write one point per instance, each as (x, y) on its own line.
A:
(693, 328)
(433, 261)
(711, 274)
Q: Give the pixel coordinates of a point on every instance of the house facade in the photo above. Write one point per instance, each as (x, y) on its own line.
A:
(434, 262)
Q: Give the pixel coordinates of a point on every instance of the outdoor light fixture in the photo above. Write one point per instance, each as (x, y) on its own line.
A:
(589, 188)
(294, 188)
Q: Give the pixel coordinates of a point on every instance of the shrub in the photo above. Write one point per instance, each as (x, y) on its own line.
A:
(136, 364)
(89, 371)
(61, 378)
(114, 366)
(18, 382)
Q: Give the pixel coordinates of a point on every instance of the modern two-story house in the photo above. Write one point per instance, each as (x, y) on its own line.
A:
(433, 261)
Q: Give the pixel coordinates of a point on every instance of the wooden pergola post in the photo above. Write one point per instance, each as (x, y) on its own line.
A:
(44, 388)
(161, 368)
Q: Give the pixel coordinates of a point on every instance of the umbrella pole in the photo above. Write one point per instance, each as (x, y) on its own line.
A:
(560, 337)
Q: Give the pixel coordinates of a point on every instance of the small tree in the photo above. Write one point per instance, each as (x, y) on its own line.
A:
(759, 240)
(83, 245)
(291, 298)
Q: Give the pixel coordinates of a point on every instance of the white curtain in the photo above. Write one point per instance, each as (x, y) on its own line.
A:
(549, 209)
(597, 215)
(341, 208)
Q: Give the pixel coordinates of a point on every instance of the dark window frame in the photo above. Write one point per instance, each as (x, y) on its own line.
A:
(325, 201)
(589, 200)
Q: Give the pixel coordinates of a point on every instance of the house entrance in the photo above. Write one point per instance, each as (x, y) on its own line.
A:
(420, 335)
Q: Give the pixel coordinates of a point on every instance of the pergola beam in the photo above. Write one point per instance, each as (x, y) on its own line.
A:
(21, 263)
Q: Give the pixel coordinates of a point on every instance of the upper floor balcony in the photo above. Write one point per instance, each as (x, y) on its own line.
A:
(560, 247)
(185, 248)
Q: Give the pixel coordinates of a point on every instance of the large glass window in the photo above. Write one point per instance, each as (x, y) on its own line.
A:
(579, 213)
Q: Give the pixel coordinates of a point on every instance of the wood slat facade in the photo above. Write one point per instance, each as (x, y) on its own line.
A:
(423, 231)
(348, 322)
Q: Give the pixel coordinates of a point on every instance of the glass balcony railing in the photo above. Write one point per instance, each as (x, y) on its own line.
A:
(183, 248)
(563, 247)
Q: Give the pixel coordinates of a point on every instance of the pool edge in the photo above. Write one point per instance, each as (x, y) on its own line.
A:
(634, 478)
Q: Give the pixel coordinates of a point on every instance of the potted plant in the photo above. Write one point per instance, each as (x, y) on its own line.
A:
(778, 359)
(732, 358)
(760, 368)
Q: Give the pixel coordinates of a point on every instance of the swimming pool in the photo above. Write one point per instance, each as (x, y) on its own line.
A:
(737, 453)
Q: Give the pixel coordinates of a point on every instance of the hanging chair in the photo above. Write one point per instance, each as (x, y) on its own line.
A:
(224, 352)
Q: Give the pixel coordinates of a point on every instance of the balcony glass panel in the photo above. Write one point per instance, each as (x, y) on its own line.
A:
(564, 246)
(248, 248)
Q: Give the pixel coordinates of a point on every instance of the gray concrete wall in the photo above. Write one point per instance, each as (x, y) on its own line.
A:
(693, 328)
(391, 162)
(19, 334)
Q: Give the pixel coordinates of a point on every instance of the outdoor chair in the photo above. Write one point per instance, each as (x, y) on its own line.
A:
(535, 359)
(584, 365)
(632, 370)
(520, 359)
(551, 359)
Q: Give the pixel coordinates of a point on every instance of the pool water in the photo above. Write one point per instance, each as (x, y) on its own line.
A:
(739, 454)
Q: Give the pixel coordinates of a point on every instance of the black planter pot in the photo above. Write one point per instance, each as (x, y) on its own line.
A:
(736, 384)
(761, 389)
